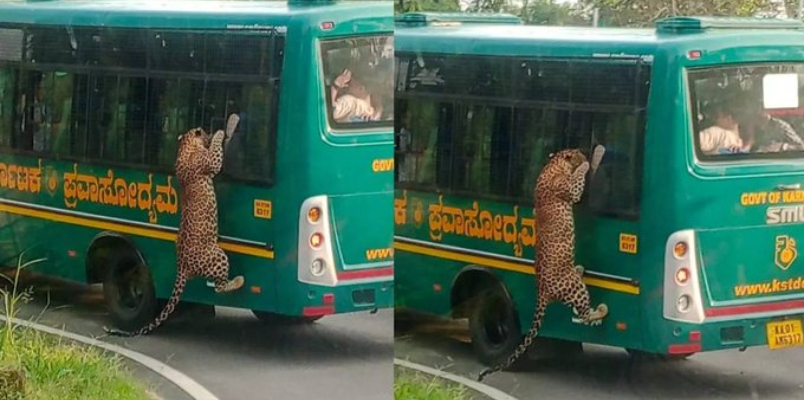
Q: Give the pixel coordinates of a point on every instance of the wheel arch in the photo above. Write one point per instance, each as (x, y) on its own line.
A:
(95, 265)
(470, 281)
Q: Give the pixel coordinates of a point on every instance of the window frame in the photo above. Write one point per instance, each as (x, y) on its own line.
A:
(272, 81)
(692, 111)
(352, 129)
(639, 110)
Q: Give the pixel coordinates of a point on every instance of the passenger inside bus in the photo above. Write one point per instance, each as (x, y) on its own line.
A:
(351, 101)
(39, 116)
(768, 134)
(357, 71)
(723, 134)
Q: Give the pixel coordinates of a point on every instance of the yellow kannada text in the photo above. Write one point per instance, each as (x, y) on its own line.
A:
(21, 178)
(111, 191)
(474, 222)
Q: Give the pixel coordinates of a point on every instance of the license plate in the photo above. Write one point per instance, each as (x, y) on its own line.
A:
(782, 334)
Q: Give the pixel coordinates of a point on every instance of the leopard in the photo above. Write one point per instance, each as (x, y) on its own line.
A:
(199, 160)
(559, 186)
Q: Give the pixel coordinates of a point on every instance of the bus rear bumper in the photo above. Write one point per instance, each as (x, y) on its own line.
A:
(349, 298)
(786, 330)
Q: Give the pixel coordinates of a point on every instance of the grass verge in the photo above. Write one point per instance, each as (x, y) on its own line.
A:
(413, 385)
(54, 369)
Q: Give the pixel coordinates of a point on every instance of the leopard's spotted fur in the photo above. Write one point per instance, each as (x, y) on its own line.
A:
(198, 253)
(559, 186)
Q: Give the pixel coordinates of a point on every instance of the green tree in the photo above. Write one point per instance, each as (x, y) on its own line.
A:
(548, 12)
(488, 6)
(402, 6)
(642, 13)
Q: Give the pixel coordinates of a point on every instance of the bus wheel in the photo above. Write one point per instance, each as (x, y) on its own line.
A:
(281, 319)
(494, 326)
(129, 292)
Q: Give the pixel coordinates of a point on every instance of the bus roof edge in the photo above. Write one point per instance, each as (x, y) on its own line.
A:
(691, 24)
(452, 18)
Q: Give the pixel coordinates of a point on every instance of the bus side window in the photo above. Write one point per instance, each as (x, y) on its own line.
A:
(530, 147)
(47, 110)
(418, 138)
(171, 115)
(249, 153)
(614, 186)
(123, 138)
(61, 98)
(481, 161)
(8, 86)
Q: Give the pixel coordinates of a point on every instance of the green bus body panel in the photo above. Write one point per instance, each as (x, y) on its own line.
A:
(310, 161)
(456, 229)
(735, 244)
(357, 235)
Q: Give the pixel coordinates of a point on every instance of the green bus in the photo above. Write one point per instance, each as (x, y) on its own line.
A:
(94, 94)
(688, 226)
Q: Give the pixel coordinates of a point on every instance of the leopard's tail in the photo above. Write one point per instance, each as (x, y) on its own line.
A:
(523, 347)
(178, 289)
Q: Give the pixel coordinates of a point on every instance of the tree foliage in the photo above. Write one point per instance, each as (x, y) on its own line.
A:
(632, 13)
(402, 6)
(548, 12)
(646, 12)
(539, 12)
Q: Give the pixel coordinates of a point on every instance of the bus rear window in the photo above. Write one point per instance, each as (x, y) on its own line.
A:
(358, 76)
(748, 112)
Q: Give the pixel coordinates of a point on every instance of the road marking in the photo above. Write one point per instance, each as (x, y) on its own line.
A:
(487, 390)
(182, 381)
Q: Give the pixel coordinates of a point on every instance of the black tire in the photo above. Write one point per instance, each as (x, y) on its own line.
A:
(494, 326)
(129, 292)
(281, 319)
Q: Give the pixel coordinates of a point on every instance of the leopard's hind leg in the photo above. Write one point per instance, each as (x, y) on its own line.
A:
(578, 299)
(218, 271)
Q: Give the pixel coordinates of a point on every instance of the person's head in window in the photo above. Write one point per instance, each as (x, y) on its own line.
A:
(719, 115)
(351, 101)
(722, 136)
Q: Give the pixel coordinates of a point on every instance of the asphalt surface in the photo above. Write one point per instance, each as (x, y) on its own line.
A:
(237, 357)
(608, 373)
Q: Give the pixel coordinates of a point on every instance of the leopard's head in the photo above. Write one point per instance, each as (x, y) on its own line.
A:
(193, 140)
(573, 156)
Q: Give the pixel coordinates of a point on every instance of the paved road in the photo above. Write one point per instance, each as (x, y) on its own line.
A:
(237, 357)
(607, 373)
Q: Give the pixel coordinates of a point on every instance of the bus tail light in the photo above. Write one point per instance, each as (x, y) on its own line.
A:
(314, 214)
(680, 250)
(682, 290)
(316, 240)
(318, 267)
(684, 303)
(316, 262)
(682, 276)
